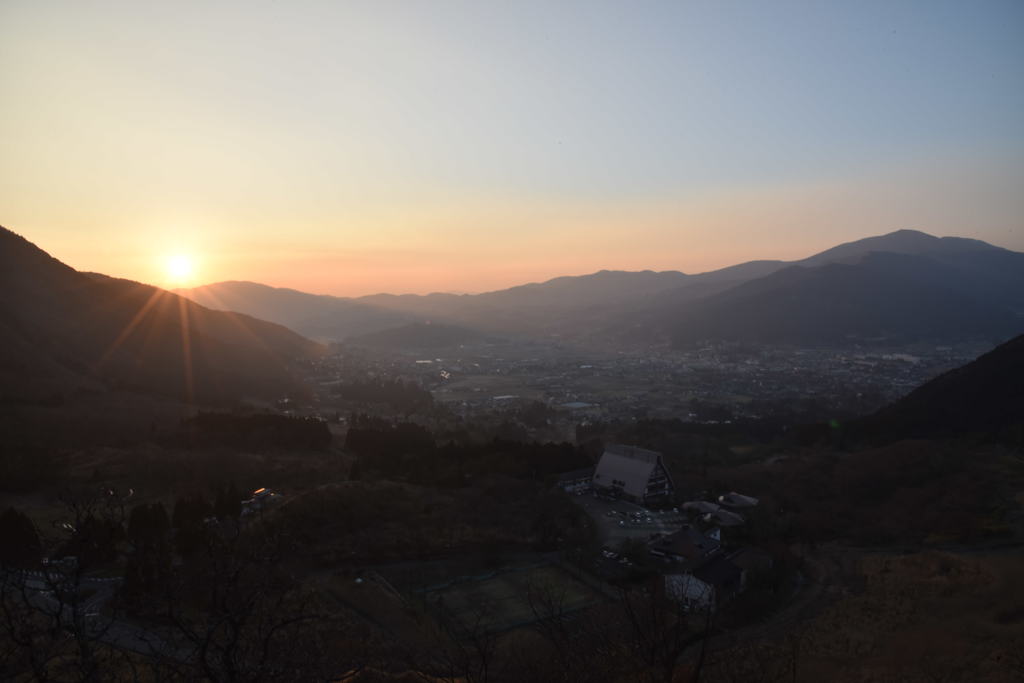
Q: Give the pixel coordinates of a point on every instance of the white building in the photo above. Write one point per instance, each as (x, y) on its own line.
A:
(706, 585)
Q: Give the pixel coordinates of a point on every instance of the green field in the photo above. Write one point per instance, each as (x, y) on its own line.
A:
(503, 601)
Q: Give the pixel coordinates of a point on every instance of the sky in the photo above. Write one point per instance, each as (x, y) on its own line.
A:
(359, 147)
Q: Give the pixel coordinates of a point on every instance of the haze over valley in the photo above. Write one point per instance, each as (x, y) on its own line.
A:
(444, 446)
(532, 342)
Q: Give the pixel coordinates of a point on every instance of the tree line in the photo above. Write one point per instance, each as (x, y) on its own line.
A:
(254, 432)
(405, 451)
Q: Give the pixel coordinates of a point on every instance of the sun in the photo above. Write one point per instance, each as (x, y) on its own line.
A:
(180, 269)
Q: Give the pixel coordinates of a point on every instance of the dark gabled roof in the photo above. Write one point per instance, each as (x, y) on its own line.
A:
(719, 571)
(688, 542)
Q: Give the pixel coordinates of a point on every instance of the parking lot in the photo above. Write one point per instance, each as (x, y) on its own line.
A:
(620, 520)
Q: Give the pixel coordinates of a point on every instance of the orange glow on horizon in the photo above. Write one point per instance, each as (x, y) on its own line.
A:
(486, 243)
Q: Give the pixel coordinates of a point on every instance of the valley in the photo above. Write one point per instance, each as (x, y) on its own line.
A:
(426, 498)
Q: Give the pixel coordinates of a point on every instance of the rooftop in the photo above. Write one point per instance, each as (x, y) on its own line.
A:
(633, 452)
(719, 571)
(688, 542)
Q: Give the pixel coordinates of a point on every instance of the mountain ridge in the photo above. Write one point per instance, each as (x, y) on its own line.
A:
(624, 305)
(901, 297)
(91, 330)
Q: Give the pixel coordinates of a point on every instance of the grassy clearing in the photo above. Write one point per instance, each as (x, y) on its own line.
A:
(924, 617)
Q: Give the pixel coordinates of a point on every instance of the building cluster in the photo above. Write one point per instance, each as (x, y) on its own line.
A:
(696, 569)
(701, 572)
(716, 383)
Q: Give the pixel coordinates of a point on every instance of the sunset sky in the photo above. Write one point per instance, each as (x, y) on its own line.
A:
(356, 147)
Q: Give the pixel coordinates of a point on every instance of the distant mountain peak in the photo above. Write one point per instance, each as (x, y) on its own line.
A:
(900, 242)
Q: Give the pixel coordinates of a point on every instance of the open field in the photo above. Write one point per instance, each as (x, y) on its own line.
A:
(919, 617)
(925, 616)
(503, 601)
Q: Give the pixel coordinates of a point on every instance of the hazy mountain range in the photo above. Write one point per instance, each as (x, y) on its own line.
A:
(62, 330)
(903, 286)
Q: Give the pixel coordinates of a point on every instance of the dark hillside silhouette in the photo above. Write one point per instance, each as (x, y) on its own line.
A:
(62, 329)
(898, 297)
(254, 432)
(985, 396)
